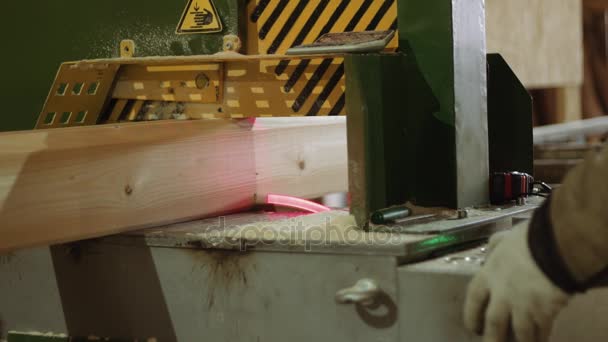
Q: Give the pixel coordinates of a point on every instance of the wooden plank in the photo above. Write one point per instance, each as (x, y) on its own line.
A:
(69, 184)
(315, 165)
(570, 130)
(540, 39)
(557, 105)
(569, 104)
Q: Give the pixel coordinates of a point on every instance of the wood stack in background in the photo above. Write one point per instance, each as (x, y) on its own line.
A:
(595, 86)
(559, 49)
(540, 39)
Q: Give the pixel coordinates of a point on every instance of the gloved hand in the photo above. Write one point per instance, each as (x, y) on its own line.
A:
(511, 292)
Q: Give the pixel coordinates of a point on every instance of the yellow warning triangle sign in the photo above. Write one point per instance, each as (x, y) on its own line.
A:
(200, 16)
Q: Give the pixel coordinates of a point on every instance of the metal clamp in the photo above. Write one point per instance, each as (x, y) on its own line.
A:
(364, 292)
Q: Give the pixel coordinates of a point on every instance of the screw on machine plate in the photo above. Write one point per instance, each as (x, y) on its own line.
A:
(232, 43)
(202, 81)
(462, 213)
(127, 48)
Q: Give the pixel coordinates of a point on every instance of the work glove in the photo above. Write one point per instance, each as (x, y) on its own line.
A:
(511, 295)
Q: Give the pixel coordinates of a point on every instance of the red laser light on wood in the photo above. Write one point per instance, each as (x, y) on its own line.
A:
(296, 203)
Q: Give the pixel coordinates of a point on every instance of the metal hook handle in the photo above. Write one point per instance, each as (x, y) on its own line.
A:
(364, 292)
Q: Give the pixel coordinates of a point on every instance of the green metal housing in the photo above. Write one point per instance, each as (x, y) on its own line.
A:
(425, 125)
(509, 119)
(390, 107)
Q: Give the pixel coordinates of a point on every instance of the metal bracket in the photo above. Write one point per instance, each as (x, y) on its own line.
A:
(364, 292)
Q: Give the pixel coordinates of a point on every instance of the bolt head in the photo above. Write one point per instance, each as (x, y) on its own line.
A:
(462, 213)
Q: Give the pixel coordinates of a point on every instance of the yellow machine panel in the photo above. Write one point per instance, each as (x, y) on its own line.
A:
(263, 82)
(276, 25)
(254, 89)
(198, 83)
(78, 95)
(196, 88)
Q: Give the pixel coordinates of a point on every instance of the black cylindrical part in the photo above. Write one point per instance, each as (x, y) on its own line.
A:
(390, 215)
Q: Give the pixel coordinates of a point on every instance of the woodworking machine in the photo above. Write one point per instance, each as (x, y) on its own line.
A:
(428, 120)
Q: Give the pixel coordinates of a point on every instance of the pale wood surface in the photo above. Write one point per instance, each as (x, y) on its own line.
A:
(540, 39)
(569, 104)
(311, 160)
(69, 184)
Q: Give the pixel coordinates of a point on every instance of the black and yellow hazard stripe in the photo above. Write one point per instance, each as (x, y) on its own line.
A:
(283, 24)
